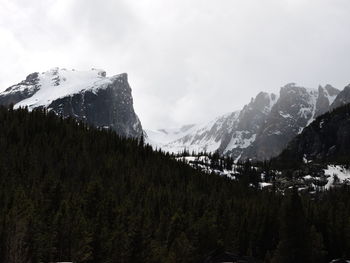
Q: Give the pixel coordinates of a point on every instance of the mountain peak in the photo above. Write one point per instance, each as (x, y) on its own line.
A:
(290, 88)
(87, 95)
(342, 98)
(57, 83)
(32, 77)
(329, 89)
(290, 85)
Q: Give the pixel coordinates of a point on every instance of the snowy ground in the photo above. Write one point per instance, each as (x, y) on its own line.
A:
(337, 175)
(203, 163)
(334, 175)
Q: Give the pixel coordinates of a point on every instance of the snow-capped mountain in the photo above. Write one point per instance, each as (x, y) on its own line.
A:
(232, 131)
(250, 121)
(205, 137)
(261, 129)
(90, 96)
(161, 137)
(295, 109)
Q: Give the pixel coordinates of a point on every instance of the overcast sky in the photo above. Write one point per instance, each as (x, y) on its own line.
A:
(188, 60)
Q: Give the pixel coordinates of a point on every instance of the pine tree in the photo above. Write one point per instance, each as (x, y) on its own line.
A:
(316, 246)
(292, 246)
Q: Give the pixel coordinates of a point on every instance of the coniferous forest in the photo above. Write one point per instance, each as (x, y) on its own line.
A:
(70, 192)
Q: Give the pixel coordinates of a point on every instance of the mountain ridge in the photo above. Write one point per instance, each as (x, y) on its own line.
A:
(263, 127)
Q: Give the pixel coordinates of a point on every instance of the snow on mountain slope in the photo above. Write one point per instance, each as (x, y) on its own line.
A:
(159, 138)
(89, 96)
(164, 136)
(206, 137)
(250, 120)
(57, 83)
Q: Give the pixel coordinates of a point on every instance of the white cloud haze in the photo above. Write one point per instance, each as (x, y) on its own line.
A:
(188, 60)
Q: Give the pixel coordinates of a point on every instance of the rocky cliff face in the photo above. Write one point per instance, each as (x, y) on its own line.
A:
(20, 91)
(326, 97)
(295, 109)
(86, 95)
(263, 127)
(250, 121)
(342, 99)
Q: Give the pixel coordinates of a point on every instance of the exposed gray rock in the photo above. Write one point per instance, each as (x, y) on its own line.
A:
(294, 110)
(326, 96)
(250, 121)
(20, 91)
(342, 98)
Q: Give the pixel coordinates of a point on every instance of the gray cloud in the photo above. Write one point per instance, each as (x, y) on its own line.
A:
(188, 60)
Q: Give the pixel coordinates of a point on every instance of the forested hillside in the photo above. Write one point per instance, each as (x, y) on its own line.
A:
(326, 140)
(69, 192)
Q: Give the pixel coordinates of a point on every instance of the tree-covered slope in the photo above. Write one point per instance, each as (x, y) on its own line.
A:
(69, 192)
(73, 193)
(327, 139)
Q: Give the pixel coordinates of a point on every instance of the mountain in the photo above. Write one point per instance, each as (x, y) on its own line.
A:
(89, 96)
(250, 121)
(262, 128)
(295, 109)
(327, 139)
(236, 130)
(203, 137)
(163, 136)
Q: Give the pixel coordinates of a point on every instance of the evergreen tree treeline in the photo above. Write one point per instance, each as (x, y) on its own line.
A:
(69, 192)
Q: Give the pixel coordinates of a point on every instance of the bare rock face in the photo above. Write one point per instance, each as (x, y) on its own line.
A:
(250, 121)
(326, 96)
(88, 96)
(342, 98)
(20, 91)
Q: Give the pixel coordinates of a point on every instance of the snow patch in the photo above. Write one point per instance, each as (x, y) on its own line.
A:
(240, 139)
(337, 174)
(285, 115)
(58, 83)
